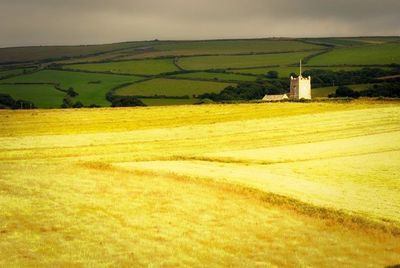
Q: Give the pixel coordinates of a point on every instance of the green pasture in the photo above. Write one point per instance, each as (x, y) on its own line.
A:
(6, 73)
(43, 96)
(140, 67)
(242, 61)
(91, 87)
(180, 48)
(38, 53)
(171, 87)
(366, 55)
(216, 76)
(110, 56)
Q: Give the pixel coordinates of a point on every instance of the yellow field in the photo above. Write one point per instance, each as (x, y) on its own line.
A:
(283, 184)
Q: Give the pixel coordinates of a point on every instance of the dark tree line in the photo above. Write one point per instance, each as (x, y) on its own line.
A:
(324, 78)
(389, 89)
(320, 78)
(123, 101)
(126, 101)
(249, 90)
(7, 102)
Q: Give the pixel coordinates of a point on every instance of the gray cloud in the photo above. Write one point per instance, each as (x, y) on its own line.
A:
(34, 22)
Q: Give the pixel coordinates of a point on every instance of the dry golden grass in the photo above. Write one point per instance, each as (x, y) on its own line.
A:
(286, 184)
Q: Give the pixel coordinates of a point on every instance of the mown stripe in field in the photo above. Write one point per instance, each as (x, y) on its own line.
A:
(270, 196)
(186, 140)
(318, 182)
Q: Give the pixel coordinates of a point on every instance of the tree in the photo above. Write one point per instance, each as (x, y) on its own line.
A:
(386, 89)
(72, 93)
(272, 75)
(126, 101)
(77, 105)
(67, 103)
(7, 100)
(23, 104)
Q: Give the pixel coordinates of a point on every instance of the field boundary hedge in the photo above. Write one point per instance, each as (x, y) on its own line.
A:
(96, 72)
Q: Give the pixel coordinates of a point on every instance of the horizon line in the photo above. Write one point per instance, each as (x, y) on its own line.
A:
(197, 40)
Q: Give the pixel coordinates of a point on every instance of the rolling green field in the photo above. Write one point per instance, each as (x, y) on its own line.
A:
(269, 184)
(224, 62)
(221, 47)
(91, 87)
(365, 55)
(216, 76)
(43, 96)
(140, 67)
(6, 73)
(171, 87)
(26, 54)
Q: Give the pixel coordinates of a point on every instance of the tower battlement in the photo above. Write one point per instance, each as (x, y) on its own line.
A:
(301, 78)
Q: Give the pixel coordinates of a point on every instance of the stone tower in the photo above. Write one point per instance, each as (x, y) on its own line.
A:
(300, 87)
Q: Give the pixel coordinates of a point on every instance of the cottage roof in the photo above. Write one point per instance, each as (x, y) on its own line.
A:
(275, 97)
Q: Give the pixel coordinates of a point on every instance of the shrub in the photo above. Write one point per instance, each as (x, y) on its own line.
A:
(78, 105)
(205, 101)
(343, 91)
(94, 106)
(6, 101)
(126, 101)
(272, 75)
(386, 89)
(67, 103)
(72, 93)
(23, 104)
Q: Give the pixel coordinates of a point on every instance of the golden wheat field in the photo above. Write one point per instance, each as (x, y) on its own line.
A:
(269, 185)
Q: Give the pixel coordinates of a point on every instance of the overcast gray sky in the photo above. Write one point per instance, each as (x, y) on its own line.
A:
(41, 22)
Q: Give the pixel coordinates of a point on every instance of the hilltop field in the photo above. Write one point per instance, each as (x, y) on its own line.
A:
(177, 72)
(284, 184)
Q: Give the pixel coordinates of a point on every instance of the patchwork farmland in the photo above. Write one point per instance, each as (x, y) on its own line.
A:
(175, 68)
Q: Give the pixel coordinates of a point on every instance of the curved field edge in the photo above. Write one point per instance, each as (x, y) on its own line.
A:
(95, 215)
(330, 215)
